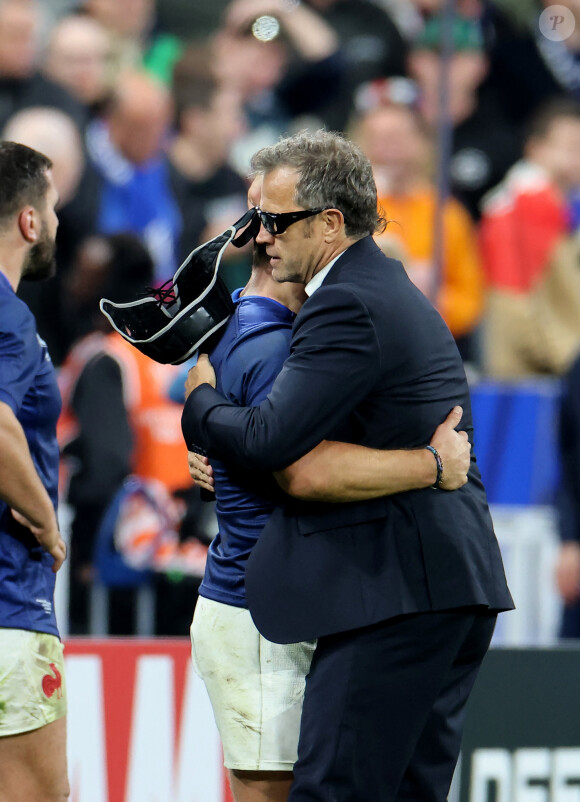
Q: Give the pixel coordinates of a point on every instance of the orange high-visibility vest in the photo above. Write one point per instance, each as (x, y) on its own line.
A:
(159, 449)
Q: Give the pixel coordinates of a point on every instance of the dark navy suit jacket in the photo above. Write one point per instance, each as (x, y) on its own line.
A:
(372, 362)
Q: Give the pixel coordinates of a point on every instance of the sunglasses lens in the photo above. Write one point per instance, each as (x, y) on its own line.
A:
(278, 223)
(267, 222)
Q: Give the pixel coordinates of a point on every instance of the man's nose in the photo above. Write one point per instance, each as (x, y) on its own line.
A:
(263, 237)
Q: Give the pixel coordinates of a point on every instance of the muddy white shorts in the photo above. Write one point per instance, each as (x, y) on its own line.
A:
(32, 686)
(256, 687)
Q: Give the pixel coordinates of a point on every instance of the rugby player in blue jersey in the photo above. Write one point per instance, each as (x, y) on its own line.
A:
(255, 686)
(32, 688)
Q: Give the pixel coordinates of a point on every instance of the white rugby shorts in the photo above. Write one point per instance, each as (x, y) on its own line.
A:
(255, 687)
(32, 684)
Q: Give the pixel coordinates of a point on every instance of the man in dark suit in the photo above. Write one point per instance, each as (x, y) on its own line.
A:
(401, 592)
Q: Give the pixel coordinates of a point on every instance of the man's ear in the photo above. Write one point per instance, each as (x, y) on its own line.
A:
(334, 223)
(29, 224)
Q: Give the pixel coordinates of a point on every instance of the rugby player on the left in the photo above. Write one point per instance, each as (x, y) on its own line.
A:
(32, 688)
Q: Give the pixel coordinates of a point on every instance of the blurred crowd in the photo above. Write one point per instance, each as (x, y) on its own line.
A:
(469, 112)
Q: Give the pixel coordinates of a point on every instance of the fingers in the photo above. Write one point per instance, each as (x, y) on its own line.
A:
(202, 479)
(205, 484)
(568, 572)
(194, 459)
(455, 450)
(45, 536)
(454, 417)
(201, 373)
(200, 471)
(59, 554)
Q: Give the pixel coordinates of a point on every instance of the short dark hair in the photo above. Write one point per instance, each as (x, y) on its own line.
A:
(197, 93)
(333, 173)
(194, 82)
(23, 178)
(130, 267)
(545, 115)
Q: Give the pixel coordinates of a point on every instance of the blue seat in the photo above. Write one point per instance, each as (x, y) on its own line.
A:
(516, 440)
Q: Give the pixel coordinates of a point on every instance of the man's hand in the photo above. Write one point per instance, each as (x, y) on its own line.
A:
(49, 538)
(200, 373)
(568, 572)
(454, 449)
(200, 471)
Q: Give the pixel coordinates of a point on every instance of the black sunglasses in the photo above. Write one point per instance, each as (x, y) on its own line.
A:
(278, 223)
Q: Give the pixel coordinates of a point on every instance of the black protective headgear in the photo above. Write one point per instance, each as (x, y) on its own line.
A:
(172, 323)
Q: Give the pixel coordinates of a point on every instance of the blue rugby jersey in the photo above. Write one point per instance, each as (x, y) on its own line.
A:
(247, 359)
(28, 386)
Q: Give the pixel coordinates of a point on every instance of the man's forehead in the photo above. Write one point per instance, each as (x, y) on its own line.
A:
(254, 191)
(278, 189)
(52, 194)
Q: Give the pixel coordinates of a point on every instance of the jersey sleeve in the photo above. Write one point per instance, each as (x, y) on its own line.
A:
(17, 358)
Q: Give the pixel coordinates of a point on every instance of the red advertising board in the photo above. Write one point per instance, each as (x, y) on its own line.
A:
(140, 726)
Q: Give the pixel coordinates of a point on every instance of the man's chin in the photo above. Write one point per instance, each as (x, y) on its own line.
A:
(282, 277)
(259, 257)
(40, 273)
(277, 273)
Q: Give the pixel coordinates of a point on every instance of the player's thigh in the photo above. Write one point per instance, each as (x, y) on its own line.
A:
(33, 765)
(32, 681)
(33, 704)
(260, 786)
(256, 687)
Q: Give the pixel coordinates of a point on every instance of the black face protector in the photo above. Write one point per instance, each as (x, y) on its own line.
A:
(173, 321)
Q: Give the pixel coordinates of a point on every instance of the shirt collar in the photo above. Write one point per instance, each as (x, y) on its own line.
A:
(4, 278)
(317, 280)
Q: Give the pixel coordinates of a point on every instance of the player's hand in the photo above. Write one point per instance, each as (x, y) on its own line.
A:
(200, 471)
(201, 373)
(454, 449)
(568, 572)
(49, 538)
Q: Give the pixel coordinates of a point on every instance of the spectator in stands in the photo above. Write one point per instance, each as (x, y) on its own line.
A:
(568, 563)
(135, 41)
(396, 140)
(531, 253)
(137, 191)
(528, 67)
(484, 143)
(21, 85)
(286, 62)
(54, 133)
(208, 120)
(77, 58)
(51, 131)
(372, 45)
(117, 418)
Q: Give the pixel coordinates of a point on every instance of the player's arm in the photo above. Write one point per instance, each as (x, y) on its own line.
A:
(22, 489)
(336, 472)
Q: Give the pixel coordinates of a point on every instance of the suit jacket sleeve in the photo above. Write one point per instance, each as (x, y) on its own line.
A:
(333, 365)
